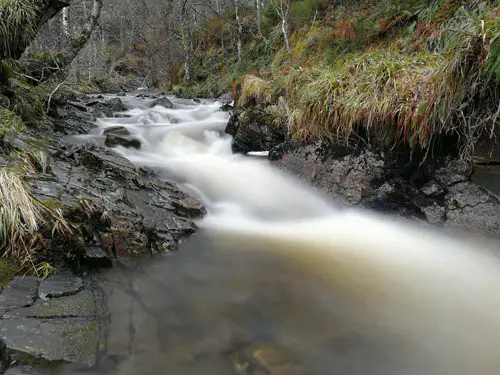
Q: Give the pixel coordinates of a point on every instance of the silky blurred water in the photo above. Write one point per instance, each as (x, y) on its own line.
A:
(279, 280)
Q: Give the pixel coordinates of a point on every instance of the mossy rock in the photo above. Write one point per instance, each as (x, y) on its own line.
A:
(8, 270)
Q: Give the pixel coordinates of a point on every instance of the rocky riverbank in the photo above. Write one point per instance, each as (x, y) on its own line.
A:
(114, 213)
(440, 191)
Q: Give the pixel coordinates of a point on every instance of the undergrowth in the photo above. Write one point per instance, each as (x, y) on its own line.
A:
(18, 21)
(398, 72)
(9, 122)
(21, 217)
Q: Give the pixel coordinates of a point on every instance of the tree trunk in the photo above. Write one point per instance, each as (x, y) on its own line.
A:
(65, 22)
(240, 30)
(284, 29)
(187, 45)
(258, 6)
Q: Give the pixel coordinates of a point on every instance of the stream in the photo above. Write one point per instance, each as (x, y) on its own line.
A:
(279, 280)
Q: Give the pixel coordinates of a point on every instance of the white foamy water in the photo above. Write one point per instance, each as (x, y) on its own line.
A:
(433, 298)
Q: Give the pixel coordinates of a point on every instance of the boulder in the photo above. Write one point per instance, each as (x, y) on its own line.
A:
(164, 102)
(253, 130)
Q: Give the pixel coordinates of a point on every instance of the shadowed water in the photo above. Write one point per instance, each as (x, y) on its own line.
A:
(281, 281)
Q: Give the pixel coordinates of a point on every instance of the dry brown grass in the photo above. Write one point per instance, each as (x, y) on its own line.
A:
(254, 88)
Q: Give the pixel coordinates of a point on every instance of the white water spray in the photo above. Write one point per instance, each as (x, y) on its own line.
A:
(435, 298)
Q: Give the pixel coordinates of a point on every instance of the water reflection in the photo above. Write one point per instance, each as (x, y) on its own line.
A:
(219, 312)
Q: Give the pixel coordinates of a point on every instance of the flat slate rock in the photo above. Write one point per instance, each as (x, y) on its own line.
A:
(59, 286)
(20, 292)
(80, 305)
(23, 370)
(69, 340)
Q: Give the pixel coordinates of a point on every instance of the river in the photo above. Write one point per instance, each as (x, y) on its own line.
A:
(279, 280)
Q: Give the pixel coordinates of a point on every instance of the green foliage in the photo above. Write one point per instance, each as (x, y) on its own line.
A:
(18, 22)
(28, 101)
(5, 73)
(492, 33)
(380, 87)
(49, 58)
(19, 215)
(304, 11)
(10, 122)
(269, 14)
(405, 71)
(256, 89)
(20, 218)
(7, 271)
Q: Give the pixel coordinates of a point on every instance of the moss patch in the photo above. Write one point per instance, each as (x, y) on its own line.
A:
(10, 122)
(8, 270)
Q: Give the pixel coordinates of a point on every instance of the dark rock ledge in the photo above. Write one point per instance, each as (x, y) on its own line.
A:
(118, 213)
(440, 193)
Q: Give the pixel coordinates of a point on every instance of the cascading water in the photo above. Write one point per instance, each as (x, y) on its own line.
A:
(428, 300)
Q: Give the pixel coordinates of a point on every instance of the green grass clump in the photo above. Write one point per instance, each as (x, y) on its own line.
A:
(254, 88)
(10, 122)
(491, 30)
(18, 22)
(20, 218)
(8, 270)
(19, 215)
(379, 87)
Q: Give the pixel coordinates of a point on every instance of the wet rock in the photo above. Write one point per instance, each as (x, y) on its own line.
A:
(129, 237)
(441, 193)
(24, 370)
(73, 340)
(189, 207)
(107, 108)
(164, 102)
(336, 172)
(116, 130)
(63, 328)
(20, 292)
(62, 112)
(431, 188)
(96, 257)
(253, 130)
(103, 160)
(226, 107)
(78, 105)
(78, 305)
(115, 105)
(59, 286)
(116, 140)
(469, 206)
(265, 358)
(434, 213)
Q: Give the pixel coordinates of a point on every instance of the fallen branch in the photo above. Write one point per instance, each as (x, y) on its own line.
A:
(53, 92)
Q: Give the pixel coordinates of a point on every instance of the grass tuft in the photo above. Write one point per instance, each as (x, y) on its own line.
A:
(254, 88)
(18, 21)
(19, 215)
(20, 218)
(10, 122)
